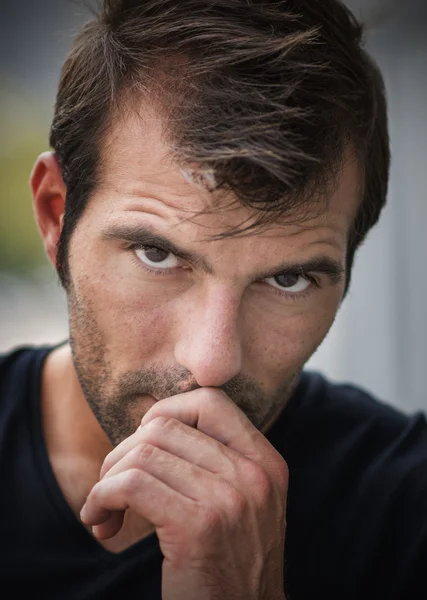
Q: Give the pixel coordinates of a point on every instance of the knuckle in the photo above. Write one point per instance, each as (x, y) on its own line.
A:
(162, 422)
(210, 396)
(107, 464)
(142, 453)
(159, 422)
(96, 492)
(209, 519)
(259, 482)
(256, 475)
(236, 502)
(131, 481)
(203, 395)
(218, 395)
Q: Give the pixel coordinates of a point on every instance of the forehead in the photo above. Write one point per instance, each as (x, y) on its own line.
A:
(137, 164)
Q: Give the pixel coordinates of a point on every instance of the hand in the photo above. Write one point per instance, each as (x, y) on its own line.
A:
(215, 490)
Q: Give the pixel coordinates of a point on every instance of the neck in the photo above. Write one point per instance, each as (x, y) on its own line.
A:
(77, 445)
(70, 427)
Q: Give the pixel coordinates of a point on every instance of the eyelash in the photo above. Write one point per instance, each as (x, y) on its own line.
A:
(299, 295)
(162, 272)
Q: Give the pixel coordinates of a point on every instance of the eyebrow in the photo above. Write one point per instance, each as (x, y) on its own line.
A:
(145, 236)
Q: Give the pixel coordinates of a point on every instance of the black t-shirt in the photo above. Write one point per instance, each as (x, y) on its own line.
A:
(357, 501)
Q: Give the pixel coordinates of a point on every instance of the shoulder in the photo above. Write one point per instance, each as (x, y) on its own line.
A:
(386, 440)
(19, 366)
(19, 357)
(346, 426)
(352, 448)
(358, 487)
(349, 412)
(362, 443)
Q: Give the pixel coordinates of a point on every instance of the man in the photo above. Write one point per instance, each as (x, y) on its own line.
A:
(214, 167)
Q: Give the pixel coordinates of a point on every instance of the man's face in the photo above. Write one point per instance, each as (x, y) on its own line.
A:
(147, 322)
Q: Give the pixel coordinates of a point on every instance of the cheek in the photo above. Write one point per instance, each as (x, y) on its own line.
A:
(130, 314)
(280, 342)
(132, 318)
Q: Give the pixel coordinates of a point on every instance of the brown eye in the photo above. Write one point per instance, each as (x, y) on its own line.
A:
(287, 279)
(155, 255)
(160, 259)
(289, 283)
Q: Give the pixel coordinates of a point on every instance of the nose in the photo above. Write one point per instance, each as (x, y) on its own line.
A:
(209, 344)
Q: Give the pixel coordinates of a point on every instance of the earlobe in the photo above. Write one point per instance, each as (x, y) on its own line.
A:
(49, 194)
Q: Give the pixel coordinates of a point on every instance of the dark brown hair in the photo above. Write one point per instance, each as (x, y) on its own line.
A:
(260, 97)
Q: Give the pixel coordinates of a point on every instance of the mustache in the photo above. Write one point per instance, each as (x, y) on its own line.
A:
(162, 383)
(157, 382)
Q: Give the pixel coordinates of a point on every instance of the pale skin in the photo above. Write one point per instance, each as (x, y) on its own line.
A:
(196, 469)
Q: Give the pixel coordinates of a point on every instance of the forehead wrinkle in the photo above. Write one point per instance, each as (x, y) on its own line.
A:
(171, 196)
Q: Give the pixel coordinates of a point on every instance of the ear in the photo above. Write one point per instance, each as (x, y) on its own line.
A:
(49, 194)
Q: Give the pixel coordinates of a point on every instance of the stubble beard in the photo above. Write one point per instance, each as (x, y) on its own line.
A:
(117, 401)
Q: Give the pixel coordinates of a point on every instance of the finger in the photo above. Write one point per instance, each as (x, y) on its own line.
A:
(139, 491)
(119, 451)
(110, 527)
(183, 441)
(220, 417)
(211, 411)
(188, 479)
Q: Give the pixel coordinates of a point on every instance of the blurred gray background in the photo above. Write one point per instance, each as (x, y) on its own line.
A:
(379, 339)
